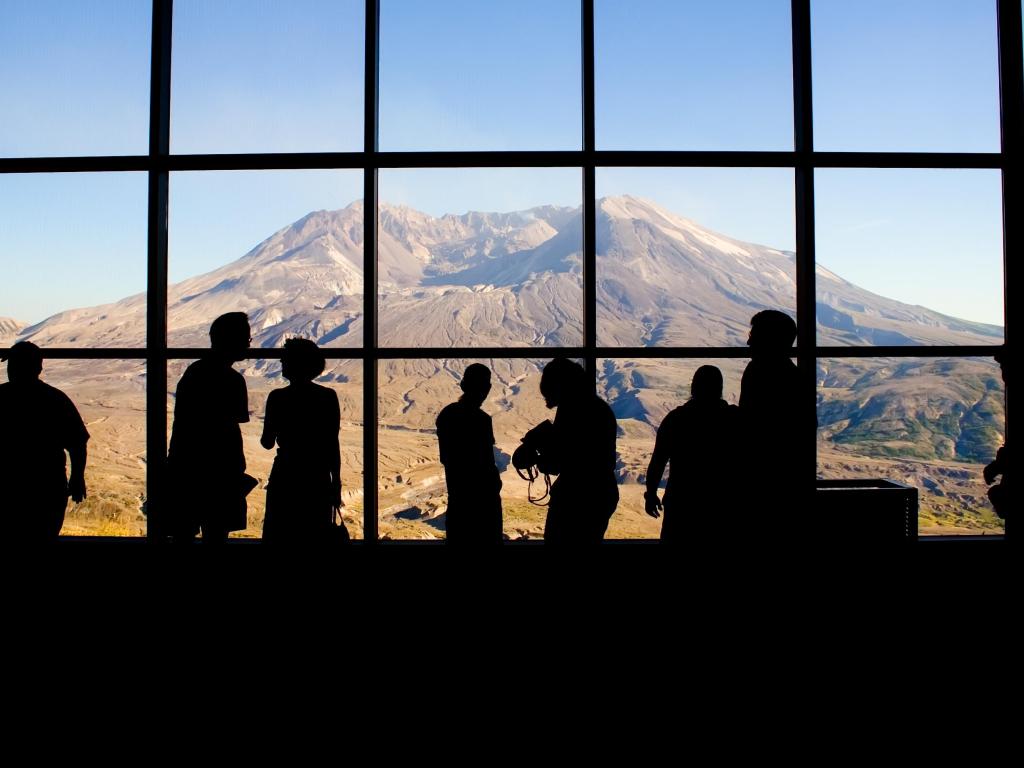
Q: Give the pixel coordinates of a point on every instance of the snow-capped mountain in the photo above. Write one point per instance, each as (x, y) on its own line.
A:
(508, 279)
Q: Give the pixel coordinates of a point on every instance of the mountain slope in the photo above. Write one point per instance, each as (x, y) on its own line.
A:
(509, 278)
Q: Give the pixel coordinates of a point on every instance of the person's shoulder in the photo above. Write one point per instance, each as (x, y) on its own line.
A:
(196, 372)
(324, 393)
(327, 399)
(450, 411)
(604, 412)
(677, 413)
(53, 393)
(197, 368)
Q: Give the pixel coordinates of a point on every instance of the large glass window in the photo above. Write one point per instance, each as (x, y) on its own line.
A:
(413, 186)
(110, 396)
(685, 256)
(642, 393)
(466, 75)
(688, 74)
(911, 75)
(930, 423)
(74, 77)
(412, 492)
(255, 76)
(73, 259)
(284, 246)
(480, 257)
(909, 257)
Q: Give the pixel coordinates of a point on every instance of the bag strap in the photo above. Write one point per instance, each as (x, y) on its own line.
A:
(530, 476)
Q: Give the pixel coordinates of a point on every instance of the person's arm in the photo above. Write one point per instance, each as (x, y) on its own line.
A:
(334, 448)
(76, 483)
(656, 468)
(243, 398)
(493, 442)
(443, 448)
(74, 437)
(269, 436)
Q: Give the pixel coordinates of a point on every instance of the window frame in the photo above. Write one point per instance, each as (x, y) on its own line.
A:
(803, 160)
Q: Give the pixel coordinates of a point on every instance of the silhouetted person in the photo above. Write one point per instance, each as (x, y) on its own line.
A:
(38, 423)
(465, 438)
(776, 430)
(206, 464)
(303, 419)
(579, 447)
(700, 441)
(999, 494)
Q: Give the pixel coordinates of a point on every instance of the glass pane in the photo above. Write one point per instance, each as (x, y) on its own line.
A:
(685, 257)
(930, 423)
(284, 246)
(466, 75)
(74, 77)
(411, 491)
(642, 393)
(257, 76)
(913, 75)
(480, 257)
(262, 376)
(110, 396)
(73, 259)
(909, 257)
(690, 74)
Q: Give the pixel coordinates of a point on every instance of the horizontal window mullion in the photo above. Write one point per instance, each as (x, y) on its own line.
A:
(89, 353)
(353, 160)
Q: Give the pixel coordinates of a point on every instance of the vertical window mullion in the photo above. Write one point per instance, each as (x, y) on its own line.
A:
(371, 103)
(589, 193)
(803, 140)
(156, 266)
(1011, 105)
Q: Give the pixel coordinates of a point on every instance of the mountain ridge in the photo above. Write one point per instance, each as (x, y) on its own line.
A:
(662, 279)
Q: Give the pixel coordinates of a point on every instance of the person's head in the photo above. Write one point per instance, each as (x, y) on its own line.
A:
(562, 380)
(706, 384)
(230, 335)
(24, 362)
(476, 382)
(771, 331)
(302, 360)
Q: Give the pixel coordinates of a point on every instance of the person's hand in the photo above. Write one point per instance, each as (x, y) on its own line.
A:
(652, 504)
(336, 496)
(524, 457)
(76, 487)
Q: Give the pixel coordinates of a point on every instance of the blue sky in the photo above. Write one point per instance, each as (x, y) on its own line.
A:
(261, 76)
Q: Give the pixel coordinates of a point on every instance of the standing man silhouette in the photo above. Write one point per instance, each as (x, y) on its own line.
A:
(206, 464)
(776, 429)
(38, 423)
(465, 437)
(579, 447)
(699, 439)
